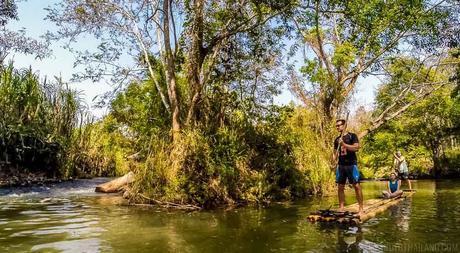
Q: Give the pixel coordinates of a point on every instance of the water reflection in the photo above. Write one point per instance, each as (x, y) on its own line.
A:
(401, 214)
(82, 245)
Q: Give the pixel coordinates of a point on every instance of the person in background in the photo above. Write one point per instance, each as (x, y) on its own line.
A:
(393, 187)
(401, 168)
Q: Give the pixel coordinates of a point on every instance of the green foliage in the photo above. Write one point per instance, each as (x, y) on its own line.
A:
(139, 107)
(427, 130)
(426, 134)
(344, 54)
(351, 39)
(249, 159)
(452, 161)
(102, 149)
(311, 158)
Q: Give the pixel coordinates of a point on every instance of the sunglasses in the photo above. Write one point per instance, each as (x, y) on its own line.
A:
(338, 125)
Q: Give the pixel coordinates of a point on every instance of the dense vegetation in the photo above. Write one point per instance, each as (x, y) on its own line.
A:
(427, 133)
(39, 121)
(193, 114)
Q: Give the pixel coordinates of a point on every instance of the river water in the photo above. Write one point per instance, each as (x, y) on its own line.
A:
(70, 217)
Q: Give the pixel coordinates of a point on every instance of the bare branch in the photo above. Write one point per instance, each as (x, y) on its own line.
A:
(385, 116)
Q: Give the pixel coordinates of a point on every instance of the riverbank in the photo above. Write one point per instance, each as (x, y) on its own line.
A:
(26, 179)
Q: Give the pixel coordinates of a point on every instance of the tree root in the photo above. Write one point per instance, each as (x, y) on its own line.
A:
(166, 204)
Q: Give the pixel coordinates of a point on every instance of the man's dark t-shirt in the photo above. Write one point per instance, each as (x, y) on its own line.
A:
(347, 157)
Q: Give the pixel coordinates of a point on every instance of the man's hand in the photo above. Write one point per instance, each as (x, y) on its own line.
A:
(340, 141)
(333, 167)
(334, 161)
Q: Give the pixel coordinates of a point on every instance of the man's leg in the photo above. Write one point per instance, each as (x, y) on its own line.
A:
(353, 178)
(341, 192)
(359, 196)
(408, 181)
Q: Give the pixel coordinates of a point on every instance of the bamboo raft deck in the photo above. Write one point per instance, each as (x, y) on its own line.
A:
(350, 216)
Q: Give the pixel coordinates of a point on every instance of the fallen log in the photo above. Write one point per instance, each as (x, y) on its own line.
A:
(117, 184)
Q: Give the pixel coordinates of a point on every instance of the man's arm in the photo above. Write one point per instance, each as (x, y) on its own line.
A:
(334, 161)
(335, 155)
(402, 159)
(396, 164)
(351, 147)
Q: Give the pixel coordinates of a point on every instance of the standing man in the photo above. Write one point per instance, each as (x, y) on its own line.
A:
(345, 147)
(401, 167)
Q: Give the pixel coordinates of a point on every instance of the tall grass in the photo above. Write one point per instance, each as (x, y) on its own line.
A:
(38, 121)
(312, 158)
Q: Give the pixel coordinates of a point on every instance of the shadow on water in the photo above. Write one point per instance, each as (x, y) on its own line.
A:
(71, 218)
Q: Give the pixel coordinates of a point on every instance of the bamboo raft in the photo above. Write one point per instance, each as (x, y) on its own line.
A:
(350, 216)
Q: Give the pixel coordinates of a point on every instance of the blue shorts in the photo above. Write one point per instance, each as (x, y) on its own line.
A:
(344, 172)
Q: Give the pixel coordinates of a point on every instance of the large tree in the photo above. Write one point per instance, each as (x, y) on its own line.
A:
(427, 132)
(150, 30)
(349, 40)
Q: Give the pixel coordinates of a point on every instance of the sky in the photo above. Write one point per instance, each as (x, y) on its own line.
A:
(32, 18)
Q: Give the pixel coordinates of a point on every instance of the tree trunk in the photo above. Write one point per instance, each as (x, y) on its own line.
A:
(195, 60)
(436, 152)
(170, 72)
